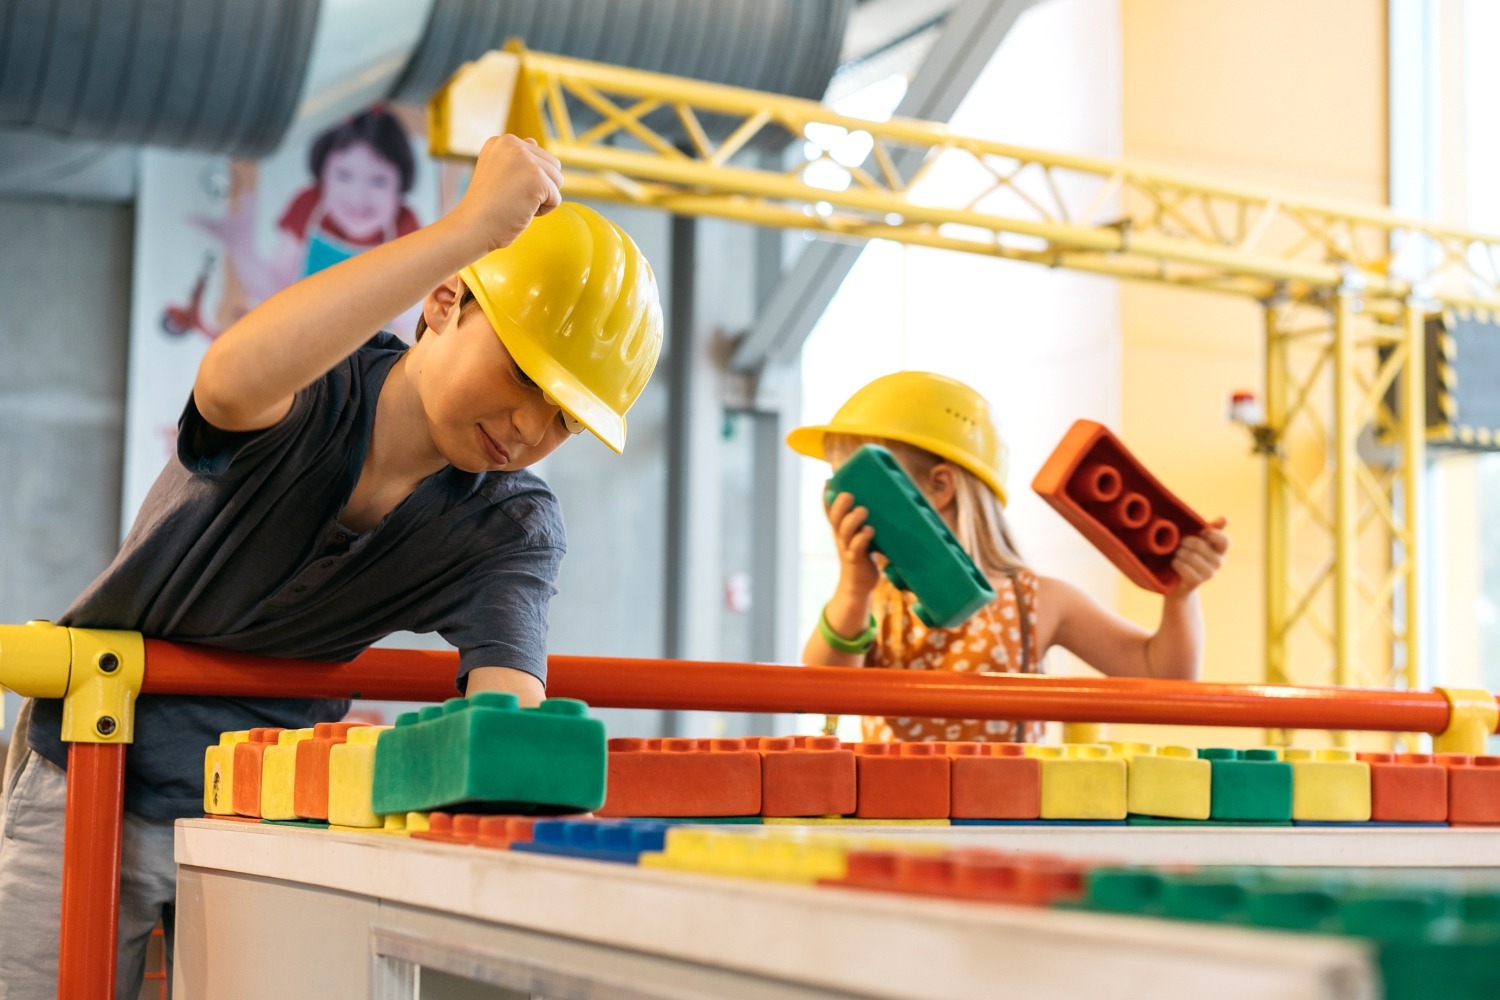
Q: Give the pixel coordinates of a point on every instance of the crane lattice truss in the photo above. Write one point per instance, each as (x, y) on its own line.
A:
(1346, 289)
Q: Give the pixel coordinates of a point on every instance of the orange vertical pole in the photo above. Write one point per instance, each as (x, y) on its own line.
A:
(91, 871)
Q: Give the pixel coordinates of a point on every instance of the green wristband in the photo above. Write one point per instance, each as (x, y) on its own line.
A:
(859, 644)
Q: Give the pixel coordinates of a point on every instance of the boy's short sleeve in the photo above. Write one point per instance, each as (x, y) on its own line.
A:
(205, 450)
(500, 619)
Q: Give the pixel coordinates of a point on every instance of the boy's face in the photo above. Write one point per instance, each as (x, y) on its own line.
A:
(484, 414)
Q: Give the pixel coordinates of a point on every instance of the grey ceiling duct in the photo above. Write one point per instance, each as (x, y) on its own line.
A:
(218, 75)
(782, 46)
(227, 75)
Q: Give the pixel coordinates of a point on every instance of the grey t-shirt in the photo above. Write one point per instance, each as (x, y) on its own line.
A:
(238, 546)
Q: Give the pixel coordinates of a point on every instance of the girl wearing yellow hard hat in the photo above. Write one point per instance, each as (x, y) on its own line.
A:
(942, 433)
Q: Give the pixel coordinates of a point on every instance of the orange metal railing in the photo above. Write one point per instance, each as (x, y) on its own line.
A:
(606, 682)
(95, 780)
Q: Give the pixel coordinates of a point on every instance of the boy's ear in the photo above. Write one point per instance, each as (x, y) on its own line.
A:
(441, 304)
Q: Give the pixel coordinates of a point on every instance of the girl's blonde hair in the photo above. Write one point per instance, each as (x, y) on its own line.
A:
(979, 519)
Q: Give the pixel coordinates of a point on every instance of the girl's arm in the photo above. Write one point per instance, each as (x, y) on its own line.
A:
(848, 611)
(251, 373)
(1119, 648)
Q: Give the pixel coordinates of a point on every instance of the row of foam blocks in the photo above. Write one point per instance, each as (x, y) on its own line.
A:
(1421, 935)
(1012, 782)
(484, 754)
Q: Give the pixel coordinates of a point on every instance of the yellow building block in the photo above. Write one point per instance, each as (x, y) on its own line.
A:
(847, 821)
(278, 775)
(1170, 782)
(1081, 781)
(397, 824)
(1329, 785)
(218, 774)
(351, 780)
(774, 858)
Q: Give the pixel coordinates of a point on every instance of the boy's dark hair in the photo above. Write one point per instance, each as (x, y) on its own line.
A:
(464, 301)
(376, 127)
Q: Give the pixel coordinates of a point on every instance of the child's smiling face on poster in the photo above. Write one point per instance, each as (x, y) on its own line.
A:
(361, 191)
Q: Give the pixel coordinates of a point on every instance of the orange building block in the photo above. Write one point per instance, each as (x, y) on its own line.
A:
(499, 832)
(450, 828)
(967, 873)
(993, 781)
(1104, 492)
(902, 781)
(1473, 789)
(249, 758)
(682, 777)
(1407, 788)
(310, 793)
(806, 776)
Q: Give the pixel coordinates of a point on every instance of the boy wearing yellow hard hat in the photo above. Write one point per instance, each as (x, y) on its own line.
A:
(330, 489)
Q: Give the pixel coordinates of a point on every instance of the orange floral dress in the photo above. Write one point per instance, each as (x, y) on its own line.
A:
(995, 640)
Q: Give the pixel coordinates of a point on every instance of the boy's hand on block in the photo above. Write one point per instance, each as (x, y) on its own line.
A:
(514, 180)
(1199, 557)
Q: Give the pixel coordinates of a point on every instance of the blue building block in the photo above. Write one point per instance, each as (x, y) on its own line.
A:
(619, 841)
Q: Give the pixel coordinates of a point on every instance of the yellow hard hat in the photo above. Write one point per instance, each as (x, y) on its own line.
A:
(575, 303)
(932, 412)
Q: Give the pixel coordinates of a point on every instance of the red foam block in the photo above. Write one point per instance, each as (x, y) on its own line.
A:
(1407, 788)
(1473, 789)
(310, 782)
(806, 776)
(901, 781)
(1094, 482)
(993, 781)
(969, 873)
(249, 757)
(682, 777)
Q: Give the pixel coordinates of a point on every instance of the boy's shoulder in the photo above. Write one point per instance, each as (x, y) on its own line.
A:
(525, 499)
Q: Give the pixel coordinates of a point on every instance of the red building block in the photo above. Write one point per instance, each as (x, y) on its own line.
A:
(1407, 788)
(310, 789)
(901, 781)
(449, 828)
(1473, 789)
(680, 777)
(248, 760)
(1100, 488)
(993, 781)
(971, 873)
(499, 832)
(806, 776)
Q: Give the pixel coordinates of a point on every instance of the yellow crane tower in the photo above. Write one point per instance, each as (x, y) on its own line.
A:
(1346, 291)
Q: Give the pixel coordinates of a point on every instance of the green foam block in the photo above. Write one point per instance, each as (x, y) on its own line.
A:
(1249, 785)
(924, 556)
(485, 754)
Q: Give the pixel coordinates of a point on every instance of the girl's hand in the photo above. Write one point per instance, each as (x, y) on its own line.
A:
(1199, 557)
(514, 180)
(858, 573)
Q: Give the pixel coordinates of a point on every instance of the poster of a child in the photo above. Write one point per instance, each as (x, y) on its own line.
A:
(355, 194)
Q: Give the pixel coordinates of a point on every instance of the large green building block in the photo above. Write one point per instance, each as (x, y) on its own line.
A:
(1426, 937)
(923, 555)
(1249, 785)
(485, 754)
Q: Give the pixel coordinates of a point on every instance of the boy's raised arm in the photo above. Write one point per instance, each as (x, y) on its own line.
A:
(250, 374)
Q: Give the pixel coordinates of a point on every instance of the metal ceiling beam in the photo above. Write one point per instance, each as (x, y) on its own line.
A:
(970, 37)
